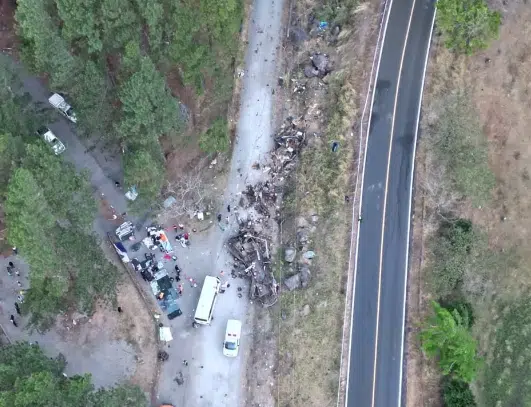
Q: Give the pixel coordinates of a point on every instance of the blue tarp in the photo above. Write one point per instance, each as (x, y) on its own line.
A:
(122, 252)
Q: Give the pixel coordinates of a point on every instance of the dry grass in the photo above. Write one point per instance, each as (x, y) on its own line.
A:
(308, 323)
(498, 82)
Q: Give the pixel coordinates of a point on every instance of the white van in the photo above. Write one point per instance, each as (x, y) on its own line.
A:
(207, 300)
(231, 344)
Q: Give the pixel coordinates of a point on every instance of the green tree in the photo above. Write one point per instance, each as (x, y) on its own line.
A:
(119, 22)
(152, 11)
(457, 393)
(43, 47)
(216, 138)
(80, 23)
(92, 95)
(22, 360)
(453, 255)
(19, 115)
(149, 110)
(11, 152)
(68, 193)
(31, 379)
(30, 226)
(221, 17)
(28, 217)
(91, 276)
(467, 25)
(145, 172)
(448, 339)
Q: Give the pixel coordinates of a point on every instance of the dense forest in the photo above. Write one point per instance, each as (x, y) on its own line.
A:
(29, 378)
(111, 58)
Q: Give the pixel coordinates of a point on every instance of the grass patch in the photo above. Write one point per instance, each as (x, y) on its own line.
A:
(310, 336)
(320, 183)
(310, 322)
(461, 147)
(508, 370)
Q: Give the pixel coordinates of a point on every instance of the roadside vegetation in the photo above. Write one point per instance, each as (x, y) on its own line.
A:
(49, 209)
(467, 26)
(30, 378)
(113, 59)
(475, 217)
(314, 215)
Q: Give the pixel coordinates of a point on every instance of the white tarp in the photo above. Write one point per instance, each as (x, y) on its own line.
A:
(165, 334)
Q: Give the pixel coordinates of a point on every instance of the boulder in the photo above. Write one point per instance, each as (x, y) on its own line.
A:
(302, 237)
(321, 63)
(289, 255)
(304, 276)
(293, 282)
(310, 71)
(306, 310)
(301, 222)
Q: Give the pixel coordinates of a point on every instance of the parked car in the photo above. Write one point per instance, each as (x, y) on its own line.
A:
(59, 102)
(57, 146)
(231, 344)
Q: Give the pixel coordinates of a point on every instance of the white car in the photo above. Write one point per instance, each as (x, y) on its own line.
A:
(231, 344)
(57, 101)
(57, 146)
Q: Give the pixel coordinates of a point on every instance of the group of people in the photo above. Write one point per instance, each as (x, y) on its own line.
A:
(10, 270)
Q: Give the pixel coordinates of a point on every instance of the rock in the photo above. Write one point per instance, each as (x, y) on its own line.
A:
(315, 218)
(310, 71)
(297, 35)
(336, 30)
(302, 237)
(301, 222)
(293, 282)
(309, 255)
(289, 255)
(304, 276)
(306, 310)
(321, 63)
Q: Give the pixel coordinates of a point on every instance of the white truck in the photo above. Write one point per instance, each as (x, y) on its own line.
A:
(57, 101)
(57, 146)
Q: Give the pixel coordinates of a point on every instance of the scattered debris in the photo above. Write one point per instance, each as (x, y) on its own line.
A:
(309, 254)
(251, 247)
(321, 65)
(179, 379)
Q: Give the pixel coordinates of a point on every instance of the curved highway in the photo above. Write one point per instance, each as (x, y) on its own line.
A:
(377, 336)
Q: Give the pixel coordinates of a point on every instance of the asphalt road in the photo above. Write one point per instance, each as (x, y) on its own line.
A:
(377, 338)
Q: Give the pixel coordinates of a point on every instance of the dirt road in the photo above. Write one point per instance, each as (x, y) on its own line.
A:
(210, 379)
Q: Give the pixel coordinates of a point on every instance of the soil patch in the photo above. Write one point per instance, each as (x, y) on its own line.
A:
(498, 82)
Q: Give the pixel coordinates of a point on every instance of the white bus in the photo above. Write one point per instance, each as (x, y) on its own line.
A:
(207, 301)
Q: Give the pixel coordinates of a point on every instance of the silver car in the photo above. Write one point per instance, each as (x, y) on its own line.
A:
(57, 146)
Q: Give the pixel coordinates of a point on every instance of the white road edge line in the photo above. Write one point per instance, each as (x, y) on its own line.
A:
(391, 136)
(410, 204)
(355, 223)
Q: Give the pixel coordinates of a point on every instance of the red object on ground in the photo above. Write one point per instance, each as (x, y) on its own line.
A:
(186, 236)
(167, 256)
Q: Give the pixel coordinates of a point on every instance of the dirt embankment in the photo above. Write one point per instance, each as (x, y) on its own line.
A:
(497, 81)
(322, 86)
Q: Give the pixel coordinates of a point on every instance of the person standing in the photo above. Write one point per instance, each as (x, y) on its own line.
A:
(17, 307)
(9, 271)
(12, 319)
(15, 250)
(228, 208)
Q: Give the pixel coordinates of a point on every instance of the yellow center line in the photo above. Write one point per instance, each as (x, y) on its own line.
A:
(385, 202)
